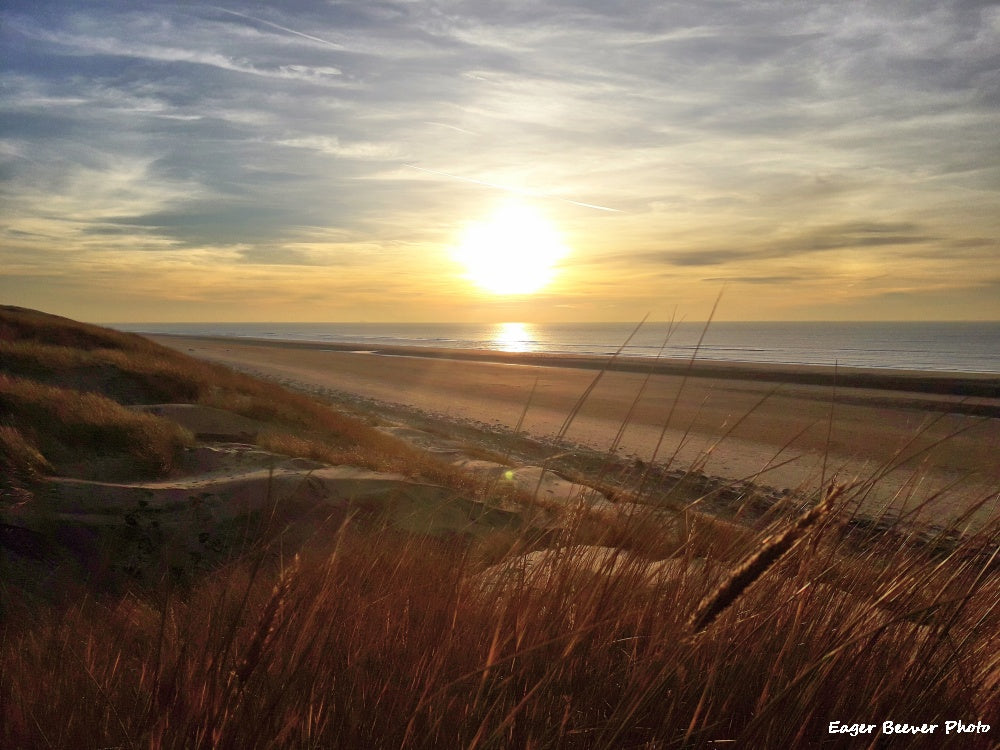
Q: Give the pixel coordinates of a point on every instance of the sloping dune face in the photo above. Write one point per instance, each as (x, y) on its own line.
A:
(105, 483)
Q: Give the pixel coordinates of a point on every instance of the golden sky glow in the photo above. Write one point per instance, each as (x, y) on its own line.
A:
(490, 161)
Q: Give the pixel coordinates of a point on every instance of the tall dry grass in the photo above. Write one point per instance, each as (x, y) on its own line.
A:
(370, 638)
(382, 640)
(84, 434)
(77, 370)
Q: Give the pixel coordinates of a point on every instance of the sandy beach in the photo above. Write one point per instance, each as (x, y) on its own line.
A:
(781, 425)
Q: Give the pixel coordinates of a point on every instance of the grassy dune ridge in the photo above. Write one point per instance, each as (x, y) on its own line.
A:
(109, 367)
(649, 630)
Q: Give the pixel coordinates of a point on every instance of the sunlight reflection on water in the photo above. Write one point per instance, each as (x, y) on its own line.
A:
(514, 337)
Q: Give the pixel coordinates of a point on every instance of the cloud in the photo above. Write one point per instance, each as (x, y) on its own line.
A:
(278, 256)
(727, 134)
(849, 236)
(330, 254)
(764, 280)
(273, 25)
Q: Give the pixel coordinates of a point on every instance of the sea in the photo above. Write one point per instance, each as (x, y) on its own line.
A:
(966, 347)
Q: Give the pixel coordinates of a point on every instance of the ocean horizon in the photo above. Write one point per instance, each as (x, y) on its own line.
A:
(970, 347)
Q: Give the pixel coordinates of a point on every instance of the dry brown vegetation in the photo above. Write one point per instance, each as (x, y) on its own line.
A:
(379, 640)
(60, 379)
(370, 638)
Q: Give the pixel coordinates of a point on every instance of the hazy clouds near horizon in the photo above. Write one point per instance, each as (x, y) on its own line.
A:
(245, 161)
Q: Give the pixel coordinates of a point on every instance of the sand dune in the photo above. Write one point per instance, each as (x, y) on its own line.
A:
(205, 422)
(222, 490)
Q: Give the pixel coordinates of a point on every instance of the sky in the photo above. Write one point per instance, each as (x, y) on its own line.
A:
(328, 161)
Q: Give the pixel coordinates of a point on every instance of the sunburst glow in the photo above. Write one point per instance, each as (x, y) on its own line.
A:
(515, 251)
(514, 337)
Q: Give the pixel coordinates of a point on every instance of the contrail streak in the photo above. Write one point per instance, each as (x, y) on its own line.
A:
(276, 26)
(512, 190)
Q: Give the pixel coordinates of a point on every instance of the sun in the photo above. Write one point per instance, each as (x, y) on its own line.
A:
(515, 251)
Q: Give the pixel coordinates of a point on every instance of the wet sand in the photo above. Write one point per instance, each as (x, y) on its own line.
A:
(780, 425)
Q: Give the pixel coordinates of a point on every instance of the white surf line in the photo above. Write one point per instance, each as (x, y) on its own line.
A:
(508, 189)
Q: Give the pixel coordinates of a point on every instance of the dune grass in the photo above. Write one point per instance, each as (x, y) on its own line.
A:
(365, 637)
(383, 640)
(64, 382)
(84, 434)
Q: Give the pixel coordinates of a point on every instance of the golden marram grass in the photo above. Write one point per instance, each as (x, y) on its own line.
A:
(341, 628)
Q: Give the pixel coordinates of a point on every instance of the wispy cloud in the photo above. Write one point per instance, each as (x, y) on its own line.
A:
(508, 189)
(779, 145)
(853, 236)
(273, 25)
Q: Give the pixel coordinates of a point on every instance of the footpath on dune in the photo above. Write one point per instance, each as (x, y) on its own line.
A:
(226, 490)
